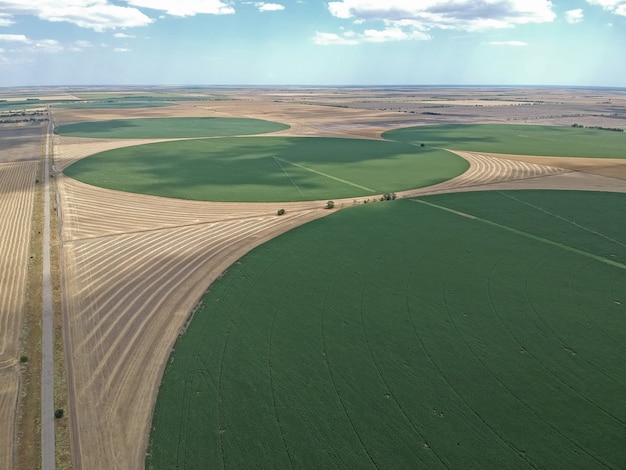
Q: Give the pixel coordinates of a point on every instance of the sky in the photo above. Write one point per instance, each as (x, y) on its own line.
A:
(309, 42)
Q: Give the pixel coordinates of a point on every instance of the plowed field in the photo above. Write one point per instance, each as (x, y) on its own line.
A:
(19, 157)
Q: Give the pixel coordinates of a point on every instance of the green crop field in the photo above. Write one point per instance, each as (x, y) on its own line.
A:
(164, 128)
(478, 330)
(268, 168)
(517, 139)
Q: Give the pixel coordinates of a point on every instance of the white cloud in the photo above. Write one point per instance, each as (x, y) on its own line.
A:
(508, 43)
(574, 16)
(269, 6)
(14, 38)
(99, 15)
(351, 38)
(22, 44)
(263, 6)
(614, 6)
(186, 7)
(5, 20)
(327, 39)
(468, 15)
(121, 49)
(79, 46)
(124, 36)
(393, 34)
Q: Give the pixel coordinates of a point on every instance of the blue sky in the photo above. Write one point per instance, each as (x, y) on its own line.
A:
(308, 42)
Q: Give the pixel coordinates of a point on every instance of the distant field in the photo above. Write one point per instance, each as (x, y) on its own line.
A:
(268, 168)
(115, 104)
(405, 335)
(122, 101)
(164, 128)
(517, 139)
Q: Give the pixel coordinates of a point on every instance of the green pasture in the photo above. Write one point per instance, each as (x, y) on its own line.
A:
(268, 168)
(517, 139)
(478, 330)
(165, 128)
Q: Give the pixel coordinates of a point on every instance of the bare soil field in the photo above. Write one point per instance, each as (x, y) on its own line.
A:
(19, 160)
(135, 266)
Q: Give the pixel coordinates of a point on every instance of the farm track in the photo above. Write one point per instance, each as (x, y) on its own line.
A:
(17, 187)
(136, 265)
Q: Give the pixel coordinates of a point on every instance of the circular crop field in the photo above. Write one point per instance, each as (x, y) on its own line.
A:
(476, 330)
(268, 168)
(517, 139)
(166, 128)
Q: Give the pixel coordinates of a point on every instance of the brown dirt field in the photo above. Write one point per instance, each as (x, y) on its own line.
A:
(20, 143)
(17, 189)
(609, 167)
(135, 266)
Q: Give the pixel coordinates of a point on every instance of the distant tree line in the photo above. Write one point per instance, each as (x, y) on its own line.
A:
(13, 121)
(614, 129)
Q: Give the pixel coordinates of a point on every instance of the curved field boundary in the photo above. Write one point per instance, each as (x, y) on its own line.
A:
(497, 172)
(487, 170)
(126, 298)
(180, 127)
(472, 335)
(17, 190)
(136, 265)
(95, 212)
(68, 150)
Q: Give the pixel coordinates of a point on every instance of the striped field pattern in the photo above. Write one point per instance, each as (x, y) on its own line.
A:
(17, 190)
(134, 267)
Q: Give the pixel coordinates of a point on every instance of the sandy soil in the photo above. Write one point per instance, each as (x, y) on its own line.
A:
(135, 266)
(19, 153)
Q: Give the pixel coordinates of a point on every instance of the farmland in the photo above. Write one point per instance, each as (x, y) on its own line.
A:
(518, 139)
(268, 168)
(19, 162)
(163, 128)
(532, 268)
(405, 332)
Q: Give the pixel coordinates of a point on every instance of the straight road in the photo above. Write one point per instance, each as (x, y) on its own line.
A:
(47, 336)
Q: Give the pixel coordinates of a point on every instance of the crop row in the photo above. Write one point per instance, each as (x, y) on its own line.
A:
(127, 297)
(17, 184)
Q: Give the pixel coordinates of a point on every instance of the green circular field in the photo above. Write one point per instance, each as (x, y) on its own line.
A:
(476, 330)
(268, 168)
(517, 139)
(166, 128)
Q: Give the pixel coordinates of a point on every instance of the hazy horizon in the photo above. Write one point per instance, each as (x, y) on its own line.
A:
(574, 43)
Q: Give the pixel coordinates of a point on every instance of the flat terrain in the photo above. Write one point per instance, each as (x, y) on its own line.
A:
(472, 330)
(163, 128)
(518, 139)
(20, 150)
(268, 168)
(136, 265)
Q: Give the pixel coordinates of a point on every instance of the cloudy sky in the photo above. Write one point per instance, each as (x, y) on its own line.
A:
(310, 42)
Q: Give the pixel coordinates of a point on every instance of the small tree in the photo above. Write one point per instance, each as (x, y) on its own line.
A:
(280, 212)
(58, 413)
(330, 204)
